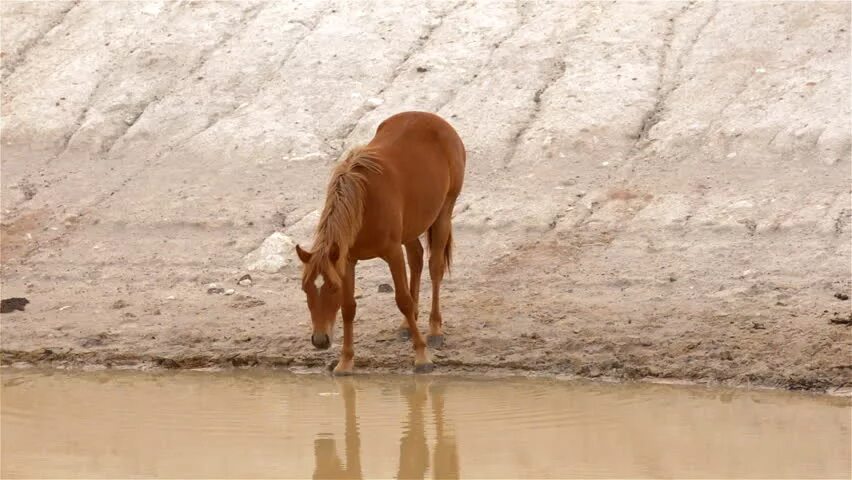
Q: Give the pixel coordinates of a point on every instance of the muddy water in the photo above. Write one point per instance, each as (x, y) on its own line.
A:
(271, 424)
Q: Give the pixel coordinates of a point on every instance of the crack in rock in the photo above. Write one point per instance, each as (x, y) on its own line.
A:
(524, 19)
(310, 27)
(10, 66)
(668, 82)
(422, 41)
(550, 80)
(247, 16)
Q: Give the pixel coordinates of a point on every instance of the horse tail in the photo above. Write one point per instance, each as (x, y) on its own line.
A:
(448, 249)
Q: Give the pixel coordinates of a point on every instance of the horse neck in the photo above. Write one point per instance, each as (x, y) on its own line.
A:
(343, 213)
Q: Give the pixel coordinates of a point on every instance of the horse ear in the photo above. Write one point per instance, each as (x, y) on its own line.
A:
(304, 256)
(334, 253)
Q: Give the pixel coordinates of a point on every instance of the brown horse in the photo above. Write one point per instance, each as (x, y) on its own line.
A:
(382, 197)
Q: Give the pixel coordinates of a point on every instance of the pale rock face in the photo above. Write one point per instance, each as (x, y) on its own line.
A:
(609, 145)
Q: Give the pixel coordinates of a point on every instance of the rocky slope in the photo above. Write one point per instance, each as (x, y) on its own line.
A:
(654, 189)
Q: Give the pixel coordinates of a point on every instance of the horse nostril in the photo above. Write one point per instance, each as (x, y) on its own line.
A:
(320, 341)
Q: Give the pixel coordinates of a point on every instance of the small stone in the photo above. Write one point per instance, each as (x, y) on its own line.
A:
(385, 288)
(12, 304)
(841, 296)
(230, 291)
(119, 304)
(422, 69)
(215, 290)
(245, 280)
(758, 326)
(375, 102)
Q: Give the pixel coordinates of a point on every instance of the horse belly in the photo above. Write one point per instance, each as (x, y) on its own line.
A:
(423, 201)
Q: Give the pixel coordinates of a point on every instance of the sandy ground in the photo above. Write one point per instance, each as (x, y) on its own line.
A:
(654, 190)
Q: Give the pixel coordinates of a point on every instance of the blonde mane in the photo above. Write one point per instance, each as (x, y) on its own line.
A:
(343, 212)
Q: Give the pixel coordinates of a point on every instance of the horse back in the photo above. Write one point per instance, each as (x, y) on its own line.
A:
(422, 163)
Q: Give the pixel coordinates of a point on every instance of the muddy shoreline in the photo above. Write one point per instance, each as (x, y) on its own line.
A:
(48, 358)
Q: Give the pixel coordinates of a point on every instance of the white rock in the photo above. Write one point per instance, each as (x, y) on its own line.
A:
(302, 231)
(375, 102)
(152, 9)
(275, 253)
(230, 291)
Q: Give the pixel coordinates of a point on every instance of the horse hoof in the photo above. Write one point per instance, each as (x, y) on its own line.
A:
(435, 341)
(403, 334)
(424, 368)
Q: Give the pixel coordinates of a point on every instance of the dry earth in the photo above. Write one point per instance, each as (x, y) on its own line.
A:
(654, 190)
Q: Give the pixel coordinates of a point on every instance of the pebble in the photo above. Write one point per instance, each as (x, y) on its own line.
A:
(230, 291)
(245, 280)
(215, 290)
(385, 288)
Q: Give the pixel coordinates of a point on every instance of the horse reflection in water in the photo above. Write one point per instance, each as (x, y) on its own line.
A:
(327, 463)
(413, 448)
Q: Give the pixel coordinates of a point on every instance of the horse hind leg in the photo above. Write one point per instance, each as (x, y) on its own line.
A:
(440, 246)
(396, 262)
(414, 253)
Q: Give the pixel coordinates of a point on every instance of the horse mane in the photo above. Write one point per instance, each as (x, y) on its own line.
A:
(343, 212)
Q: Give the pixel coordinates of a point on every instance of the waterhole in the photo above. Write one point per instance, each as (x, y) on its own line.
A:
(273, 424)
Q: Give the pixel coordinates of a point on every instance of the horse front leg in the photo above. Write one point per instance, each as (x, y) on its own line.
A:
(396, 262)
(347, 354)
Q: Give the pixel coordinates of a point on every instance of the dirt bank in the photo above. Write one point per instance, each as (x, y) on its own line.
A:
(653, 190)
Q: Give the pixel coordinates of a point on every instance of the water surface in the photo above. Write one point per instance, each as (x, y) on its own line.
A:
(272, 424)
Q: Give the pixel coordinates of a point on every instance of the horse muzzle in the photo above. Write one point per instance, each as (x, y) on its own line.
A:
(320, 341)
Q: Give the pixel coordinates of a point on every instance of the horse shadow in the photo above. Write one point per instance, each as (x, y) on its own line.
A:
(414, 455)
